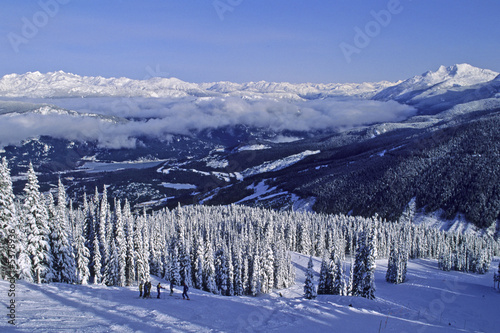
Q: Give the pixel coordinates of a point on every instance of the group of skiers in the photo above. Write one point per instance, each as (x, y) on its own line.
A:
(147, 289)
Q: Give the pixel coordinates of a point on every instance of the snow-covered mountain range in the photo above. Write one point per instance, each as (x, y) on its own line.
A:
(61, 84)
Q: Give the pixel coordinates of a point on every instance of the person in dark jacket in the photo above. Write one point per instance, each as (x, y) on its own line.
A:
(146, 290)
(185, 291)
(158, 287)
(140, 289)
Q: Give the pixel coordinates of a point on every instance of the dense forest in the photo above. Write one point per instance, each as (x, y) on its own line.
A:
(453, 168)
(227, 250)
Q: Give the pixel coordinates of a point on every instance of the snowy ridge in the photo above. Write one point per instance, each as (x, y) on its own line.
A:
(61, 84)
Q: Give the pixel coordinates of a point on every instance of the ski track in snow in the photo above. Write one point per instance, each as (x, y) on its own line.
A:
(430, 301)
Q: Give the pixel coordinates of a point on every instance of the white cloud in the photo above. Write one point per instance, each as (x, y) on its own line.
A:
(161, 117)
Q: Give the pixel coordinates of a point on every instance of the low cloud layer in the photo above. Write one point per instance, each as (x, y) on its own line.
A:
(160, 118)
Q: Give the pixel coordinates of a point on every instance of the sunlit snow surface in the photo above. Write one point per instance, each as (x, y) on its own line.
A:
(430, 301)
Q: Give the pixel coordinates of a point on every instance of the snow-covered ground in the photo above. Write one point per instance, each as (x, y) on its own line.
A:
(430, 301)
(110, 167)
(179, 186)
(277, 165)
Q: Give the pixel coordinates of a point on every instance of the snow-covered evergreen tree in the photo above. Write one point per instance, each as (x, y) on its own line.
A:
(309, 287)
(82, 260)
(267, 269)
(221, 272)
(10, 236)
(35, 219)
(360, 269)
(238, 272)
(255, 278)
(112, 269)
(323, 288)
(198, 266)
(350, 281)
(96, 262)
(121, 244)
(63, 257)
(371, 255)
(364, 265)
(339, 287)
(130, 269)
(209, 283)
(392, 266)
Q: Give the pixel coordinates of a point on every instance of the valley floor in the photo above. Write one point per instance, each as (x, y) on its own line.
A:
(430, 301)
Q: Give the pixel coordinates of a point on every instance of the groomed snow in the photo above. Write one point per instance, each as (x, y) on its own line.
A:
(278, 164)
(430, 301)
(179, 186)
(253, 147)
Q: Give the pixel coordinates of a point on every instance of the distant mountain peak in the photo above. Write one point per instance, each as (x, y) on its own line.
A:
(464, 72)
(437, 82)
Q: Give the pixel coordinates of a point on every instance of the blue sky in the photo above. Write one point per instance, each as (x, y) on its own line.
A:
(248, 40)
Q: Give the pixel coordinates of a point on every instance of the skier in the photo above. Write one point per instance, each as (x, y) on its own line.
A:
(158, 287)
(171, 287)
(146, 289)
(185, 290)
(140, 289)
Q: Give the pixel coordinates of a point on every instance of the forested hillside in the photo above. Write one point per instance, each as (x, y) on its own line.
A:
(226, 250)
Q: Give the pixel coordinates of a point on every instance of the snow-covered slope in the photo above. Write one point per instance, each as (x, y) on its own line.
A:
(457, 78)
(61, 84)
(430, 301)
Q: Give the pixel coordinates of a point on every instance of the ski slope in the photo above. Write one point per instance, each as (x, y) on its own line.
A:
(430, 301)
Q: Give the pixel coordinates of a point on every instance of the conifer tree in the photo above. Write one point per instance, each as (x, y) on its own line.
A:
(61, 242)
(198, 266)
(121, 245)
(322, 283)
(174, 267)
(221, 272)
(350, 281)
(96, 262)
(339, 287)
(238, 271)
(371, 254)
(10, 236)
(309, 287)
(35, 219)
(209, 270)
(255, 279)
(112, 269)
(130, 269)
(82, 259)
(140, 259)
(230, 274)
(360, 269)
(392, 266)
